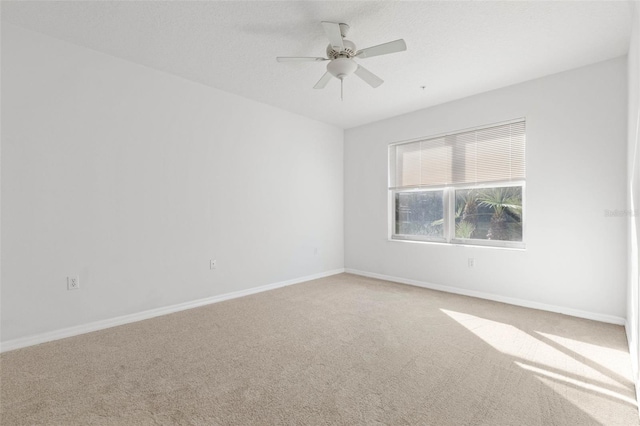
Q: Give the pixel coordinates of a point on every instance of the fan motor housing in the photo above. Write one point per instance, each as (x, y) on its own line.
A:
(349, 50)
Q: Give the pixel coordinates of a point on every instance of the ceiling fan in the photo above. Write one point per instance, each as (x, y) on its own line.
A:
(341, 53)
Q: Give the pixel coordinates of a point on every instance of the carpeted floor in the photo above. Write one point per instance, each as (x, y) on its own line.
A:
(341, 350)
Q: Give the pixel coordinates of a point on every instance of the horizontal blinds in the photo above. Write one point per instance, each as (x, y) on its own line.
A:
(485, 155)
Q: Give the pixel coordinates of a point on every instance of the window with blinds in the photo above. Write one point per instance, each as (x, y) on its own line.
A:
(465, 187)
(491, 154)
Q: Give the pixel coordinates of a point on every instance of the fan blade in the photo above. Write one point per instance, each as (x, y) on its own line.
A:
(299, 59)
(370, 78)
(323, 81)
(382, 49)
(332, 30)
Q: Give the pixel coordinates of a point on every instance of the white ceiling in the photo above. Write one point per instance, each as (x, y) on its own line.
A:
(455, 49)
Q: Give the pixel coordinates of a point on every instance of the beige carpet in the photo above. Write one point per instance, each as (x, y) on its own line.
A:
(341, 350)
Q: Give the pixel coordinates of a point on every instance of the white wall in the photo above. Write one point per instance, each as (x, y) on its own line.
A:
(133, 179)
(575, 257)
(633, 188)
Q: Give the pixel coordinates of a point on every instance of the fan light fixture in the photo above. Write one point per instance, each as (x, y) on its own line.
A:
(342, 67)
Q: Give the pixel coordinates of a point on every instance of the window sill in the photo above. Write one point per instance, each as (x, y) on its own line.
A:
(459, 244)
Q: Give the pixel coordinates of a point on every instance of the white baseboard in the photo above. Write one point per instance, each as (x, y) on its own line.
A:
(611, 319)
(126, 319)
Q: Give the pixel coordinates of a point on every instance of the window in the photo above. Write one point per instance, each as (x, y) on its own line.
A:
(420, 213)
(461, 188)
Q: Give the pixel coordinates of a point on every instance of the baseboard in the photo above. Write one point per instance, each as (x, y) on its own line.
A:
(611, 319)
(126, 319)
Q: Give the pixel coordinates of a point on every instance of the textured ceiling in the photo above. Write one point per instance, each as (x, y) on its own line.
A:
(455, 49)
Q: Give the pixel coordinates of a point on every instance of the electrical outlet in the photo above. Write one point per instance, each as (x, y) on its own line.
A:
(471, 262)
(213, 264)
(73, 283)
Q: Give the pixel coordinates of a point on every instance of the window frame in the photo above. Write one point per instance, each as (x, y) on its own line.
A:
(449, 200)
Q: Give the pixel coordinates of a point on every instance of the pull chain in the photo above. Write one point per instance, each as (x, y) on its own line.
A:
(341, 92)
